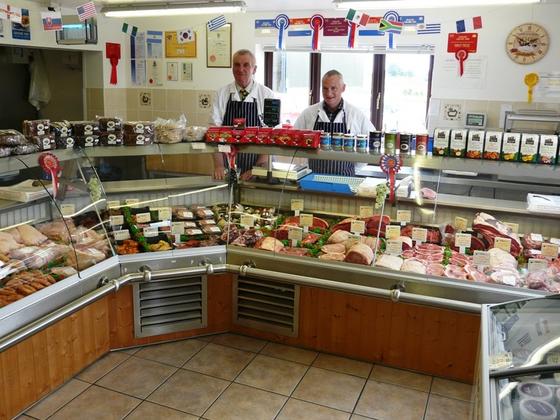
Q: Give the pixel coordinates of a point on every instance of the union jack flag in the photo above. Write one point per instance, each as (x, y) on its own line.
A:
(86, 11)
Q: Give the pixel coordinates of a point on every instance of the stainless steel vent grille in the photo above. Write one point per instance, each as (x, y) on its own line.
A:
(266, 305)
(166, 306)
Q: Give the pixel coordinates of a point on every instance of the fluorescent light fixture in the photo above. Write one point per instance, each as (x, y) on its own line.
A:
(421, 4)
(172, 8)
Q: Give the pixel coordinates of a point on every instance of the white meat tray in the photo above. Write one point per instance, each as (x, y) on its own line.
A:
(25, 191)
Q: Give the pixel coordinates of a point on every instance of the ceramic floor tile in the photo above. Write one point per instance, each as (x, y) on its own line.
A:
(343, 365)
(103, 366)
(137, 377)
(175, 354)
(358, 417)
(440, 407)
(302, 410)
(241, 402)
(97, 403)
(24, 417)
(451, 389)
(401, 377)
(206, 338)
(189, 391)
(131, 351)
(332, 389)
(57, 399)
(387, 402)
(271, 374)
(293, 354)
(148, 410)
(240, 342)
(219, 361)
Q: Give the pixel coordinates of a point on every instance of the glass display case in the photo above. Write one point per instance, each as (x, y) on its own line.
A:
(521, 367)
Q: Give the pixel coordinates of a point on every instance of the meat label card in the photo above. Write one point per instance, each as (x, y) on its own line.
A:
(297, 204)
(549, 250)
(404, 216)
(295, 234)
(113, 204)
(536, 264)
(198, 146)
(178, 228)
(513, 226)
(150, 232)
(419, 234)
(67, 209)
(481, 258)
(164, 213)
(224, 148)
(394, 247)
(358, 227)
(143, 218)
(366, 211)
(131, 202)
(121, 235)
(463, 240)
(306, 219)
(116, 220)
(503, 244)
(392, 231)
(247, 220)
(461, 224)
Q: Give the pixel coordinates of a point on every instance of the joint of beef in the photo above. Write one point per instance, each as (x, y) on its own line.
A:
(300, 252)
(339, 236)
(359, 254)
(529, 243)
(490, 228)
(317, 222)
(433, 236)
(269, 244)
(333, 256)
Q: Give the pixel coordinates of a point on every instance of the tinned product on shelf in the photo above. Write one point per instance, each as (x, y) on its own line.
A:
(475, 144)
(493, 145)
(510, 147)
(529, 148)
(421, 144)
(375, 139)
(337, 142)
(349, 142)
(325, 141)
(361, 143)
(548, 150)
(441, 142)
(390, 143)
(405, 143)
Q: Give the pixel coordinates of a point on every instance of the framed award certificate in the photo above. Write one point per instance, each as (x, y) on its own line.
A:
(218, 47)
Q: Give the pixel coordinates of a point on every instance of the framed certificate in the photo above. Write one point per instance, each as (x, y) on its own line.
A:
(218, 47)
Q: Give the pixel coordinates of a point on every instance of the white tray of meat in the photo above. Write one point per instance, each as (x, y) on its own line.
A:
(539, 203)
(25, 191)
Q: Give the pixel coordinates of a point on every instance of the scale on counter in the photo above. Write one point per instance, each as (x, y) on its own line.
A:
(282, 170)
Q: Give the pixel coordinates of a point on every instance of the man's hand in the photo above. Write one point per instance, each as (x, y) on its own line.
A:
(246, 176)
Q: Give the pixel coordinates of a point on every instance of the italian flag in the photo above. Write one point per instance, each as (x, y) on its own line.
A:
(359, 18)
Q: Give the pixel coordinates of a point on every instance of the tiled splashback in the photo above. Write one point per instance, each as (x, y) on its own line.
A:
(492, 109)
(148, 104)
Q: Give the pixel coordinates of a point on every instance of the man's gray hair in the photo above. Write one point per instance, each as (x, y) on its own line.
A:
(332, 73)
(246, 52)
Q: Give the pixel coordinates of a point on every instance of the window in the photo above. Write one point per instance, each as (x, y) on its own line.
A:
(393, 89)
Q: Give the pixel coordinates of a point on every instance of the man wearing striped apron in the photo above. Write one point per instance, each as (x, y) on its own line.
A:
(242, 99)
(333, 115)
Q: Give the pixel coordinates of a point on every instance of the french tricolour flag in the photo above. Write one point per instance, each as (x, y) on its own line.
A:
(469, 25)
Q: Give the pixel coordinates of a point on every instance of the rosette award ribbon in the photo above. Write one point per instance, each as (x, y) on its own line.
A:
(316, 22)
(281, 22)
(390, 165)
(51, 165)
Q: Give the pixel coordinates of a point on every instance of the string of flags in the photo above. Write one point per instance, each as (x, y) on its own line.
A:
(469, 25)
(10, 13)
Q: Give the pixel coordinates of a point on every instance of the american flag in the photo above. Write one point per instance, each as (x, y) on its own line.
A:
(86, 11)
(216, 23)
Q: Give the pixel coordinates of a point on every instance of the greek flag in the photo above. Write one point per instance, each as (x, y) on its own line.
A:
(216, 23)
(429, 28)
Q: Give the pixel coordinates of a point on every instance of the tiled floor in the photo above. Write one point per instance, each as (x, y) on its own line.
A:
(235, 377)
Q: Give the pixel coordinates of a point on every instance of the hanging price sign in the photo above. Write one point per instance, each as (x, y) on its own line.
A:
(366, 211)
(392, 232)
(462, 44)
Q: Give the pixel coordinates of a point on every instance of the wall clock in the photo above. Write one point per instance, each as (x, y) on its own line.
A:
(527, 43)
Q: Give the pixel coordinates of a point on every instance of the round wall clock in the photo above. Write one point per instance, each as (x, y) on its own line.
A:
(527, 43)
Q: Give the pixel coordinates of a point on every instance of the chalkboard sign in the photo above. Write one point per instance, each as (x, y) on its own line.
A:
(271, 112)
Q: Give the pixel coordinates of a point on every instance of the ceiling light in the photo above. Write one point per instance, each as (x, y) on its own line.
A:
(421, 4)
(173, 8)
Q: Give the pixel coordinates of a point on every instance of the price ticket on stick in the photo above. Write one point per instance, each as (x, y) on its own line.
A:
(358, 227)
(296, 205)
(549, 250)
(404, 217)
(247, 220)
(150, 232)
(503, 244)
(392, 231)
(536, 264)
(306, 220)
(461, 224)
(463, 241)
(295, 234)
(481, 259)
(113, 204)
(121, 235)
(164, 213)
(131, 202)
(462, 44)
(366, 211)
(67, 209)
(116, 220)
(419, 235)
(394, 247)
(513, 226)
(143, 218)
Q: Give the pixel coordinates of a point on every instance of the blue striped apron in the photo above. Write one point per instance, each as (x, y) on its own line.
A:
(331, 167)
(249, 111)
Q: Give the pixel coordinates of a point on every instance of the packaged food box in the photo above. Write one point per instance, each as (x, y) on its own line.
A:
(61, 129)
(548, 149)
(85, 128)
(111, 139)
(250, 135)
(263, 135)
(36, 127)
(212, 135)
(529, 150)
(212, 230)
(493, 145)
(46, 142)
(441, 142)
(137, 139)
(310, 139)
(193, 232)
(225, 135)
(138, 127)
(11, 138)
(182, 213)
(206, 222)
(109, 125)
(458, 143)
(86, 141)
(475, 144)
(65, 142)
(510, 147)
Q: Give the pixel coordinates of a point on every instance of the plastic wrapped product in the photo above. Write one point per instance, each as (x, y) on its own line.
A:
(111, 139)
(25, 149)
(211, 230)
(194, 133)
(138, 127)
(131, 139)
(87, 141)
(109, 125)
(65, 143)
(170, 131)
(36, 127)
(5, 151)
(85, 128)
(11, 138)
(44, 142)
(61, 129)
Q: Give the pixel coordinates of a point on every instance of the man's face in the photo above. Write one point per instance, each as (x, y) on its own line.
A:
(243, 70)
(332, 91)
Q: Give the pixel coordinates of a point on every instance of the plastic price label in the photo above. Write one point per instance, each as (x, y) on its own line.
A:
(306, 219)
(358, 227)
(513, 226)
(419, 234)
(549, 250)
(537, 237)
(392, 231)
(366, 211)
(481, 258)
(143, 218)
(177, 228)
(150, 232)
(404, 216)
(131, 202)
(536, 264)
(463, 240)
(164, 213)
(461, 223)
(247, 220)
(295, 234)
(224, 148)
(188, 215)
(503, 244)
(121, 235)
(394, 247)
(198, 146)
(67, 209)
(113, 204)
(297, 204)
(116, 220)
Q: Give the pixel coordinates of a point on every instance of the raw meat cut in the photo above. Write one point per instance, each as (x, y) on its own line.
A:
(360, 254)
(413, 266)
(499, 257)
(334, 248)
(30, 236)
(406, 242)
(490, 227)
(300, 252)
(389, 261)
(8, 243)
(339, 236)
(58, 230)
(528, 242)
(333, 256)
(317, 222)
(269, 244)
(435, 269)
(428, 193)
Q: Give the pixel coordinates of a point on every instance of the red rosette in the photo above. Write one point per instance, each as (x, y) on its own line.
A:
(390, 165)
(51, 165)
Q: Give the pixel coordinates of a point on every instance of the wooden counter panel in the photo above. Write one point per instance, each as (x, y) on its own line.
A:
(183, 164)
(434, 341)
(219, 289)
(36, 366)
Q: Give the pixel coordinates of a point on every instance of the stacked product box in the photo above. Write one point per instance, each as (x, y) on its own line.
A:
(86, 133)
(110, 131)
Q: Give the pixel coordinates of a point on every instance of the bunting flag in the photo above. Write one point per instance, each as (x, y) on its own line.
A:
(10, 13)
(359, 18)
(185, 35)
(390, 26)
(469, 25)
(429, 28)
(216, 23)
(129, 29)
(86, 11)
(52, 21)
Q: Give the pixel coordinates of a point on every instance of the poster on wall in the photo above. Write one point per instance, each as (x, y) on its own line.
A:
(172, 71)
(474, 76)
(186, 72)
(22, 30)
(218, 47)
(154, 72)
(138, 59)
(154, 41)
(174, 49)
(548, 85)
